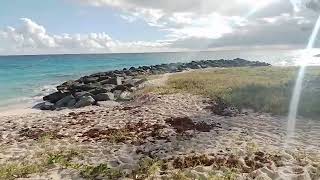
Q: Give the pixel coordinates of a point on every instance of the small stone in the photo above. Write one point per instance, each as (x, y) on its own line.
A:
(114, 163)
(125, 95)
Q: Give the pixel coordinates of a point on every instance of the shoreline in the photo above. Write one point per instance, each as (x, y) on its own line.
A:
(25, 107)
(17, 110)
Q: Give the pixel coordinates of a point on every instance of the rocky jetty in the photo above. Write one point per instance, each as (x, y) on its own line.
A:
(118, 85)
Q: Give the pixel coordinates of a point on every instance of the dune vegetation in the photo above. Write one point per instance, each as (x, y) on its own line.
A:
(263, 89)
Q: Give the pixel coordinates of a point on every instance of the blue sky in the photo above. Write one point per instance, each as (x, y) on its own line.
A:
(102, 26)
(68, 17)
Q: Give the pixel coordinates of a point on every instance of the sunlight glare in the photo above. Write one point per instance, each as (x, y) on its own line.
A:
(256, 5)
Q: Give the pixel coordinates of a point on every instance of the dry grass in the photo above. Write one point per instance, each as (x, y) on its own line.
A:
(266, 89)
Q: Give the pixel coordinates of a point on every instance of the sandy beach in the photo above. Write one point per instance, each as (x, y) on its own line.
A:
(171, 128)
(160, 90)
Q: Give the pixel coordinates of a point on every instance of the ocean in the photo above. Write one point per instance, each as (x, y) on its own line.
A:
(25, 79)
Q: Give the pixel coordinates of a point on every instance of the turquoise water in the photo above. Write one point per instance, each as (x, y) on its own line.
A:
(28, 78)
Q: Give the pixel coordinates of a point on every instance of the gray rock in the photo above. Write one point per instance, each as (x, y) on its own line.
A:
(99, 91)
(64, 102)
(55, 97)
(84, 101)
(67, 86)
(71, 103)
(125, 95)
(108, 103)
(133, 81)
(85, 87)
(123, 87)
(102, 78)
(88, 80)
(104, 97)
(117, 93)
(45, 106)
(108, 87)
(105, 81)
(114, 80)
(119, 80)
(78, 95)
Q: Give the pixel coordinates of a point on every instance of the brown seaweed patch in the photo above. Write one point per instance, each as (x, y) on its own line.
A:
(36, 134)
(220, 107)
(135, 133)
(182, 124)
(251, 163)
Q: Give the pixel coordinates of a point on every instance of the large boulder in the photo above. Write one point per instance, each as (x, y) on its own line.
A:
(108, 87)
(79, 95)
(66, 86)
(88, 79)
(123, 87)
(104, 97)
(84, 87)
(118, 80)
(55, 97)
(67, 101)
(114, 80)
(99, 91)
(84, 101)
(103, 77)
(71, 103)
(45, 106)
(133, 81)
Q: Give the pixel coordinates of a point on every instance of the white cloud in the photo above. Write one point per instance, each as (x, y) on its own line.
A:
(314, 5)
(128, 18)
(210, 26)
(283, 30)
(192, 18)
(208, 23)
(199, 18)
(190, 25)
(230, 7)
(29, 35)
(32, 38)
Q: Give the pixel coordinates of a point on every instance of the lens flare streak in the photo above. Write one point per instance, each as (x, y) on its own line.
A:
(294, 104)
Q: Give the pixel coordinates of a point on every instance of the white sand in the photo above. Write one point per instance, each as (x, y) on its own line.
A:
(266, 131)
(238, 135)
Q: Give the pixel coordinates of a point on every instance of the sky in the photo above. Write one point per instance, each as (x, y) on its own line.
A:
(123, 26)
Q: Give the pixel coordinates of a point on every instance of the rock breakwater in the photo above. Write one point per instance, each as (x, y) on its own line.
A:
(118, 85)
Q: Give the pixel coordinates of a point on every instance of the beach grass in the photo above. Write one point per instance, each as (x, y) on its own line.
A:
(63, 159)
(263, 89)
